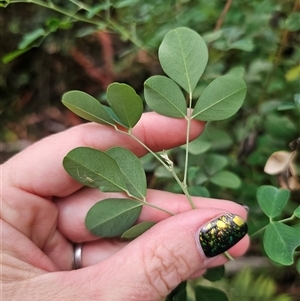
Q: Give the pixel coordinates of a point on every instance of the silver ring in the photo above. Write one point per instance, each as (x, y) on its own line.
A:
(77, 256)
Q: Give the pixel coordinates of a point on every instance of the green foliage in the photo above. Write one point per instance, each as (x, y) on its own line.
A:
(127, 161)
(86, 107)
(109, 217)
(215, 274)
(94, 168)
(164, 96)
(183, 56)
(125, 103)
(137, 230)
(125, 108)
(112, 170)
(220, 99)
(280, 241)
(257, 41)
(248, 287)
(209, 293)
(272, 200)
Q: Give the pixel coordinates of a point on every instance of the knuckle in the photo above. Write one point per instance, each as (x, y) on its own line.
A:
(165, 268)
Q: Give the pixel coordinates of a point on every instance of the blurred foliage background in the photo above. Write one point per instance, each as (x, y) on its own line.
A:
(51, 47)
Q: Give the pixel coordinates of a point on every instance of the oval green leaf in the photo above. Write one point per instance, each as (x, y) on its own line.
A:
(164, 96)
(179, 293)
(132, 169)
(215, 274)
(87, 107)
(297, 212)
(137, 230)
(94, 168)
(226, 179)
(112, 217)
(125, 103)
(280, 242)
(220, 99)
(214, 163)
(206, 293)
(271, 199)
(183, 56)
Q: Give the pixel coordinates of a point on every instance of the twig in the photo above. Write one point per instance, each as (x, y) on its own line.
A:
(223, 15)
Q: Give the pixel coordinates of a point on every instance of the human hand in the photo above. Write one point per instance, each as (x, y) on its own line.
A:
(43, 212)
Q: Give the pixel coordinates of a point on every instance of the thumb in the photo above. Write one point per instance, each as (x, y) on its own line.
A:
(149, 267)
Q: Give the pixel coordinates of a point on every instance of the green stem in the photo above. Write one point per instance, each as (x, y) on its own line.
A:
(188, 118)
(146, 147)
(258, 231)
(159, 208)
(144, 202)
(184, 189)
(168, 167)
(58, 9)
(271, 221)
(75, 16)
(228, 256)
(287, 219)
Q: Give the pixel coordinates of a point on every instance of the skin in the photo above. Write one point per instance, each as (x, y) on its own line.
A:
(43, 211)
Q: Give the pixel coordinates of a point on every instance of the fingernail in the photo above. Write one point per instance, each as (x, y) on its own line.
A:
(221, 234)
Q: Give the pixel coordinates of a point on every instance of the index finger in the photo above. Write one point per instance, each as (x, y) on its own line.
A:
(39, 170)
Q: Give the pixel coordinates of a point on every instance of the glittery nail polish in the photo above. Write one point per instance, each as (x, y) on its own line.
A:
(219, 235)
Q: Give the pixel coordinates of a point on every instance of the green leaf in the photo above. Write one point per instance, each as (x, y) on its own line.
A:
(220, 99)
(113, 116)
(132, 169)
(125, 103)
(125, 3)
(271, 199)
(31, 37)
(297, 212)
(214, 163)
(286, 106)
(215, 274)
(292, 22)
(198, 191)
(137, 230)
(14, 54)
(226, 179)
(94, 168)
(205, 293)
(112, 217)
(280, 242)
(219, 138)
(198, 146)
(164, 96)
(179, 293)
(183, 56)
(243, 44)
(87, 107)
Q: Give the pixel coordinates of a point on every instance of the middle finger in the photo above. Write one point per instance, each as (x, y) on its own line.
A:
(73, 209)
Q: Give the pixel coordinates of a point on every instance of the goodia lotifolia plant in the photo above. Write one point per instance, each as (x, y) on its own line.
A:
(183, 56)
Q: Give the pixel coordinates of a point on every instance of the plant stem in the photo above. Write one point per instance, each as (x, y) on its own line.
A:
(158, 208)
(184, 189)
(168, 167)
(228, 256)
(188, 128)
(75, 16)
(258, 231)
(144, 202)
(287, 219)
(223, 15)
(146, 147)
(58, 9)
